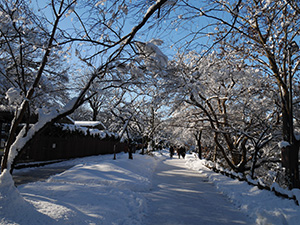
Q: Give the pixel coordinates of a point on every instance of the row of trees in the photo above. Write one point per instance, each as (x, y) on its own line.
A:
(237, 94)
(263, 35)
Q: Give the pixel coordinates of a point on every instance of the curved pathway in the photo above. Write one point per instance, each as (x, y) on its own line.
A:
(183, 196)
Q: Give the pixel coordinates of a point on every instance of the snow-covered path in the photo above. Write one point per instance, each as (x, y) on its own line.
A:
(98, 190)
(183, 196)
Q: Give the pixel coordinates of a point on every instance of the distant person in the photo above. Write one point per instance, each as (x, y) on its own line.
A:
(181, 152)
(171, 151)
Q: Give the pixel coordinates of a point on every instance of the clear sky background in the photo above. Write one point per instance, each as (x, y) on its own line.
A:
(172, 30)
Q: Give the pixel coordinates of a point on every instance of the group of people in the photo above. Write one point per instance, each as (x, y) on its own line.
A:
(180, 151)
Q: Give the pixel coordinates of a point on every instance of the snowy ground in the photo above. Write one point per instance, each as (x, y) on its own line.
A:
(99, 190)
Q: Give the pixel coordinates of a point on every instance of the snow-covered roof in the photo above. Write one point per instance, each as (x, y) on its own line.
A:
(283, 144)
(89, 124)
(7, 108)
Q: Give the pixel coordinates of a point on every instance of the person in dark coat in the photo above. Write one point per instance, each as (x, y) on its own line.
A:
(171, 151)
(181, 152)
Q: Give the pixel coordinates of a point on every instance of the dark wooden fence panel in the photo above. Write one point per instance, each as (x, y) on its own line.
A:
(65, 145)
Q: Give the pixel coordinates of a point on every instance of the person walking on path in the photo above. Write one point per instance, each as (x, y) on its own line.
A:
(181, 152)
(182, 196)
(171, 151)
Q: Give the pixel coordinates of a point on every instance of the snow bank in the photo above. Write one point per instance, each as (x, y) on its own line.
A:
(97, 190)
(262, 205)
(13, 208)
(120, 174)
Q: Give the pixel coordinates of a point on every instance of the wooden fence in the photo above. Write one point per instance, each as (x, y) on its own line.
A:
(56, 143)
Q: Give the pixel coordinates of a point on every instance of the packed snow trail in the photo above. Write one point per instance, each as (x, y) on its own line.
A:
(183, 196)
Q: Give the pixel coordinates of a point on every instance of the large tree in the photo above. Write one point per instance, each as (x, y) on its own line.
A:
(264, 34)
(58, 36)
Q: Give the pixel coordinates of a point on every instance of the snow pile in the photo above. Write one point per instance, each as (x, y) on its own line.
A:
(262, 205)
(98, 190)
(13, 208)
(120, 174)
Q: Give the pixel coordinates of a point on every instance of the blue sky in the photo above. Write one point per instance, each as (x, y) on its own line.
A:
(172, 32)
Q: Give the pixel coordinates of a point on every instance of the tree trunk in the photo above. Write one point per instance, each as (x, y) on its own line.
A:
(130, 156)
(115, 155)
(288, 135)
(144, 144)
(0, 134)
(95, 114)
(143, 150)
(199, 149)
(254, 160)
(293, 164)
(285, 117)
(214, 159)
(198, 139)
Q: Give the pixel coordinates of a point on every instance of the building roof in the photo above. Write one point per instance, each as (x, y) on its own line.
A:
(91, 124)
